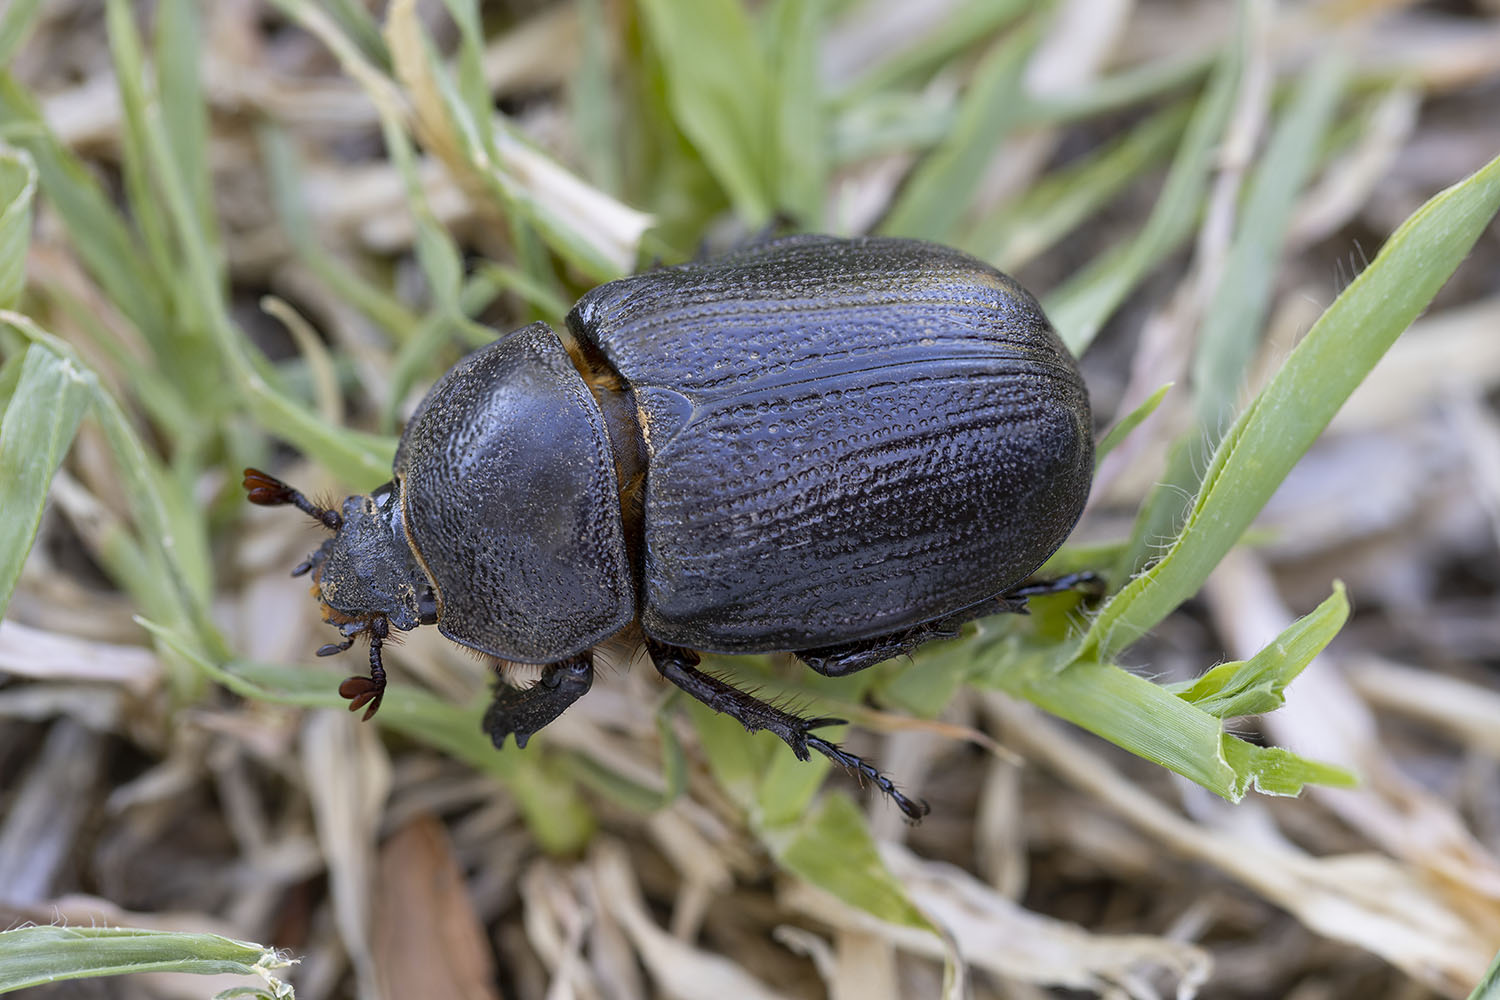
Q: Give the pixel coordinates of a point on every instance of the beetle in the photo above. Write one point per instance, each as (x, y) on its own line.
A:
(839, 448)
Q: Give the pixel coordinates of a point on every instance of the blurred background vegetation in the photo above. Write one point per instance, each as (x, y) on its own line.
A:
(253, 232)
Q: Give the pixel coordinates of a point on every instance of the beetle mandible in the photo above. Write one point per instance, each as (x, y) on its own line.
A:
(839, 448)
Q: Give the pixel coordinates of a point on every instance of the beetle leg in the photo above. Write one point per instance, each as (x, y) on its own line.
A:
(523, 711)
(840, 661)
(1088, 582)
(914, 810)
(362, 691)
(679, 666)
(849, 658)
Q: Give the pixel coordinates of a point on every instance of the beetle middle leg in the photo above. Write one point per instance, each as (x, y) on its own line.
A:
(523, 711)
(680, 666)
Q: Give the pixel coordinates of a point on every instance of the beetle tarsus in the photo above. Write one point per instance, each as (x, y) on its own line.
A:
(679, 666)
(914, 809)
(266, 490)
(523, 711)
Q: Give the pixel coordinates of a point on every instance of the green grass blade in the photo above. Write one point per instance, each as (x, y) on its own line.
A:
(356, 457)
(590, 230)
(16, 22)
(41, 417)
(159, 572)
(592, 101)
(1233, 320)
(1128, 423)
(738, 761)
(1081, 306)
(36, 956)
(941, 188)
(17, 195)
(355, 20)
(1151, 722)
(184, 109)
(142, 185)
(1488, 988)
(376, 304)
(799, 169)
(97, 232)
(834, 850)
(1256, 685)
(1122, 90)
(472, 89)
(889, 123)
(1283, 421)
(972, 23)
(1068, 197)
(718, 93)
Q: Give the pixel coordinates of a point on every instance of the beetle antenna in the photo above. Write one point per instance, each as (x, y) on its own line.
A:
(268, 491)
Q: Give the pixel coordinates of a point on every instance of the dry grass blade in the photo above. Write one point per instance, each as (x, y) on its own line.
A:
(1374, 902)
(680, 970)
(998, 936)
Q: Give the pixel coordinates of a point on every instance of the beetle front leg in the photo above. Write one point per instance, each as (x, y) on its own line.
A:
(680, 666)
(523, 711)
(362, 691)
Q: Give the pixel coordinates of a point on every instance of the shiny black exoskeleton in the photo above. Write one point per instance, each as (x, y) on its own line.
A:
(838, 448)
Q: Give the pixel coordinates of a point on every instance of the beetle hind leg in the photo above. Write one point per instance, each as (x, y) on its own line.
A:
(680, 666)
(848, 658)
(523, 711)
(852, 657)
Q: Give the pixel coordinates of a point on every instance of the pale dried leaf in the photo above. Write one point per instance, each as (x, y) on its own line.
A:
(427, 939)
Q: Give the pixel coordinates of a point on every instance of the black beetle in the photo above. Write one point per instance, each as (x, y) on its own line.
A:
(838, 448)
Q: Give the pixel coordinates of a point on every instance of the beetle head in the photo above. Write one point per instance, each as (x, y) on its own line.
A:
(366, 569)
(365, 576)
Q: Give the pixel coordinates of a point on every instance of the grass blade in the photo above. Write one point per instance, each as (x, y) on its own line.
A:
(16, 22)
(940, 189)
(799, 169)
(547, 796)
(1256, 685)
(1283, 421)
(41, 417)
(974, 22)
(183, 106)
(35, 956)
(1080, 307)
(17, 194)
(718, 93)
(97, 232)
(1233, 320)
(834, 850)
(1128, 423)
(1068, 197)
